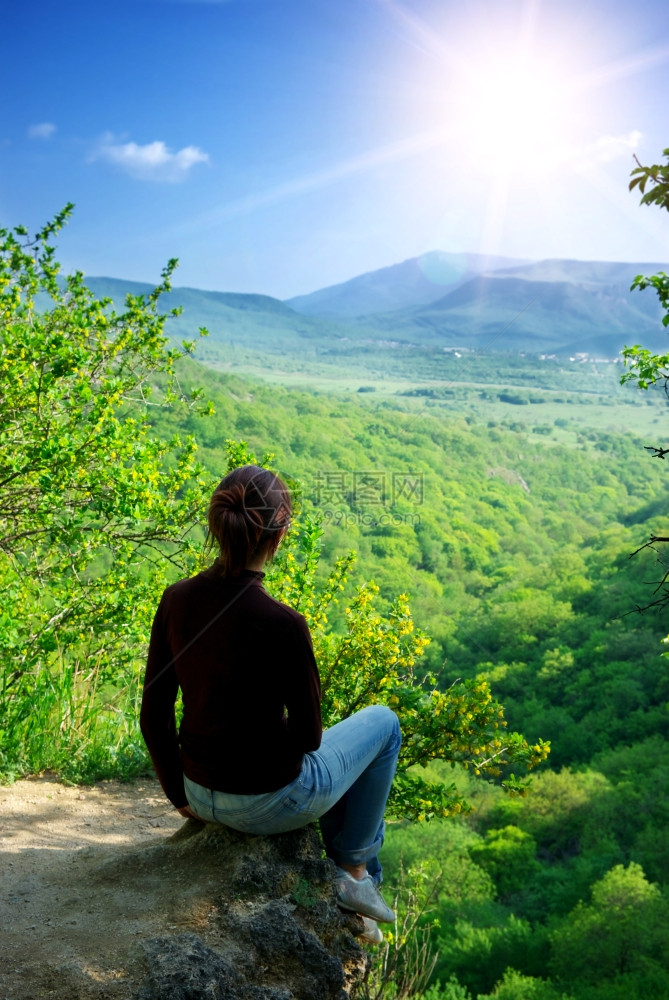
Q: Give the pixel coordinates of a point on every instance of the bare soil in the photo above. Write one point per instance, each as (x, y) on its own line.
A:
(52, 838)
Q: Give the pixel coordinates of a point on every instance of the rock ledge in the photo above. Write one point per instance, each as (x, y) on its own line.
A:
(229, 916)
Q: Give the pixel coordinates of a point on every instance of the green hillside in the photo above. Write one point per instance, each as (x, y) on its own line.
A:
(257, 321)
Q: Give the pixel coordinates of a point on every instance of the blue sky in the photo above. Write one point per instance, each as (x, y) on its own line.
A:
(279, 146)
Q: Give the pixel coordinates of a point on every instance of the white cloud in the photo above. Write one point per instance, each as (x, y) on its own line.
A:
(44, 130)
(612, 147)
(151, 162)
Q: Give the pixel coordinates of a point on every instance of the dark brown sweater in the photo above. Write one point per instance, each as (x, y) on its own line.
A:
(249, 681)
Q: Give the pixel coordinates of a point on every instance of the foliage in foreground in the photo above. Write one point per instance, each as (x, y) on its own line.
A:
(94, 509)
(537, 584)
(97, 516)
(645, 367)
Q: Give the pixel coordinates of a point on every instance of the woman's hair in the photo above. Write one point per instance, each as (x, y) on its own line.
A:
(249, 511)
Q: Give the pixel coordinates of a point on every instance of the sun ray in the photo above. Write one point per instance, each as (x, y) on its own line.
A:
(496, 213)
(381, 155)
(421, 35)
(621, 68)
(506, 102)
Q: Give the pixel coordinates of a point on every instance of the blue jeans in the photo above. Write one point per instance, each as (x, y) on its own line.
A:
(344, 784)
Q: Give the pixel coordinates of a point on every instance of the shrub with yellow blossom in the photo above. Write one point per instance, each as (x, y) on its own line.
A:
(94, 507)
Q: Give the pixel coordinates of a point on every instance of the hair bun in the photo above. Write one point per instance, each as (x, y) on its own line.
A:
(231, 499)
(261, 506)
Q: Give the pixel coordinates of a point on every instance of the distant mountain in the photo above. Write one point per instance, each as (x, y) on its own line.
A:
(190, 298)
(587, 273)
(414, 282)
(555, 306)
(546, 307)
(253, 320)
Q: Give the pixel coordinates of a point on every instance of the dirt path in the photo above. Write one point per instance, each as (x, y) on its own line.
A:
(50, 836)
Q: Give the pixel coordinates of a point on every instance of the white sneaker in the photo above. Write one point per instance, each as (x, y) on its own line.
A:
(361, 896)
(372, 933)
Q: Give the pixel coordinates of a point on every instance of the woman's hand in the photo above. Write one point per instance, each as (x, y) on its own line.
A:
(188, 813)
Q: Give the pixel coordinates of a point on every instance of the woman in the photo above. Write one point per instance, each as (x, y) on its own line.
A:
(250, 752)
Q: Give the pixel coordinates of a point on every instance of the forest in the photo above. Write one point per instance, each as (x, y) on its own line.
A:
(470, 568)
(517, 559)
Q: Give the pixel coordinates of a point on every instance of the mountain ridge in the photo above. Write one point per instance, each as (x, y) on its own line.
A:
(552, 306)
(414, 281)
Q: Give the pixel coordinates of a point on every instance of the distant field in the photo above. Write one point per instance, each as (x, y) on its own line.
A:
(558, 400)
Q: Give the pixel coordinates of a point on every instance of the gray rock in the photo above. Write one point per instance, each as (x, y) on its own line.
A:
(182, 967)
(272, 929)
(280, 941)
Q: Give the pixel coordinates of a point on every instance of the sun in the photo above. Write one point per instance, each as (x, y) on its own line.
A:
(518, 109)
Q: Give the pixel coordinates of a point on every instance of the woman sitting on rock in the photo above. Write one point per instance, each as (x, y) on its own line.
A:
(251, 752)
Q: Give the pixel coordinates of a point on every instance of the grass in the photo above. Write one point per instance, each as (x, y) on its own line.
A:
(63, 718)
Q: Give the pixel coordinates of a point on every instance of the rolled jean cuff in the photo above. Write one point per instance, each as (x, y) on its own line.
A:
(359, 856)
